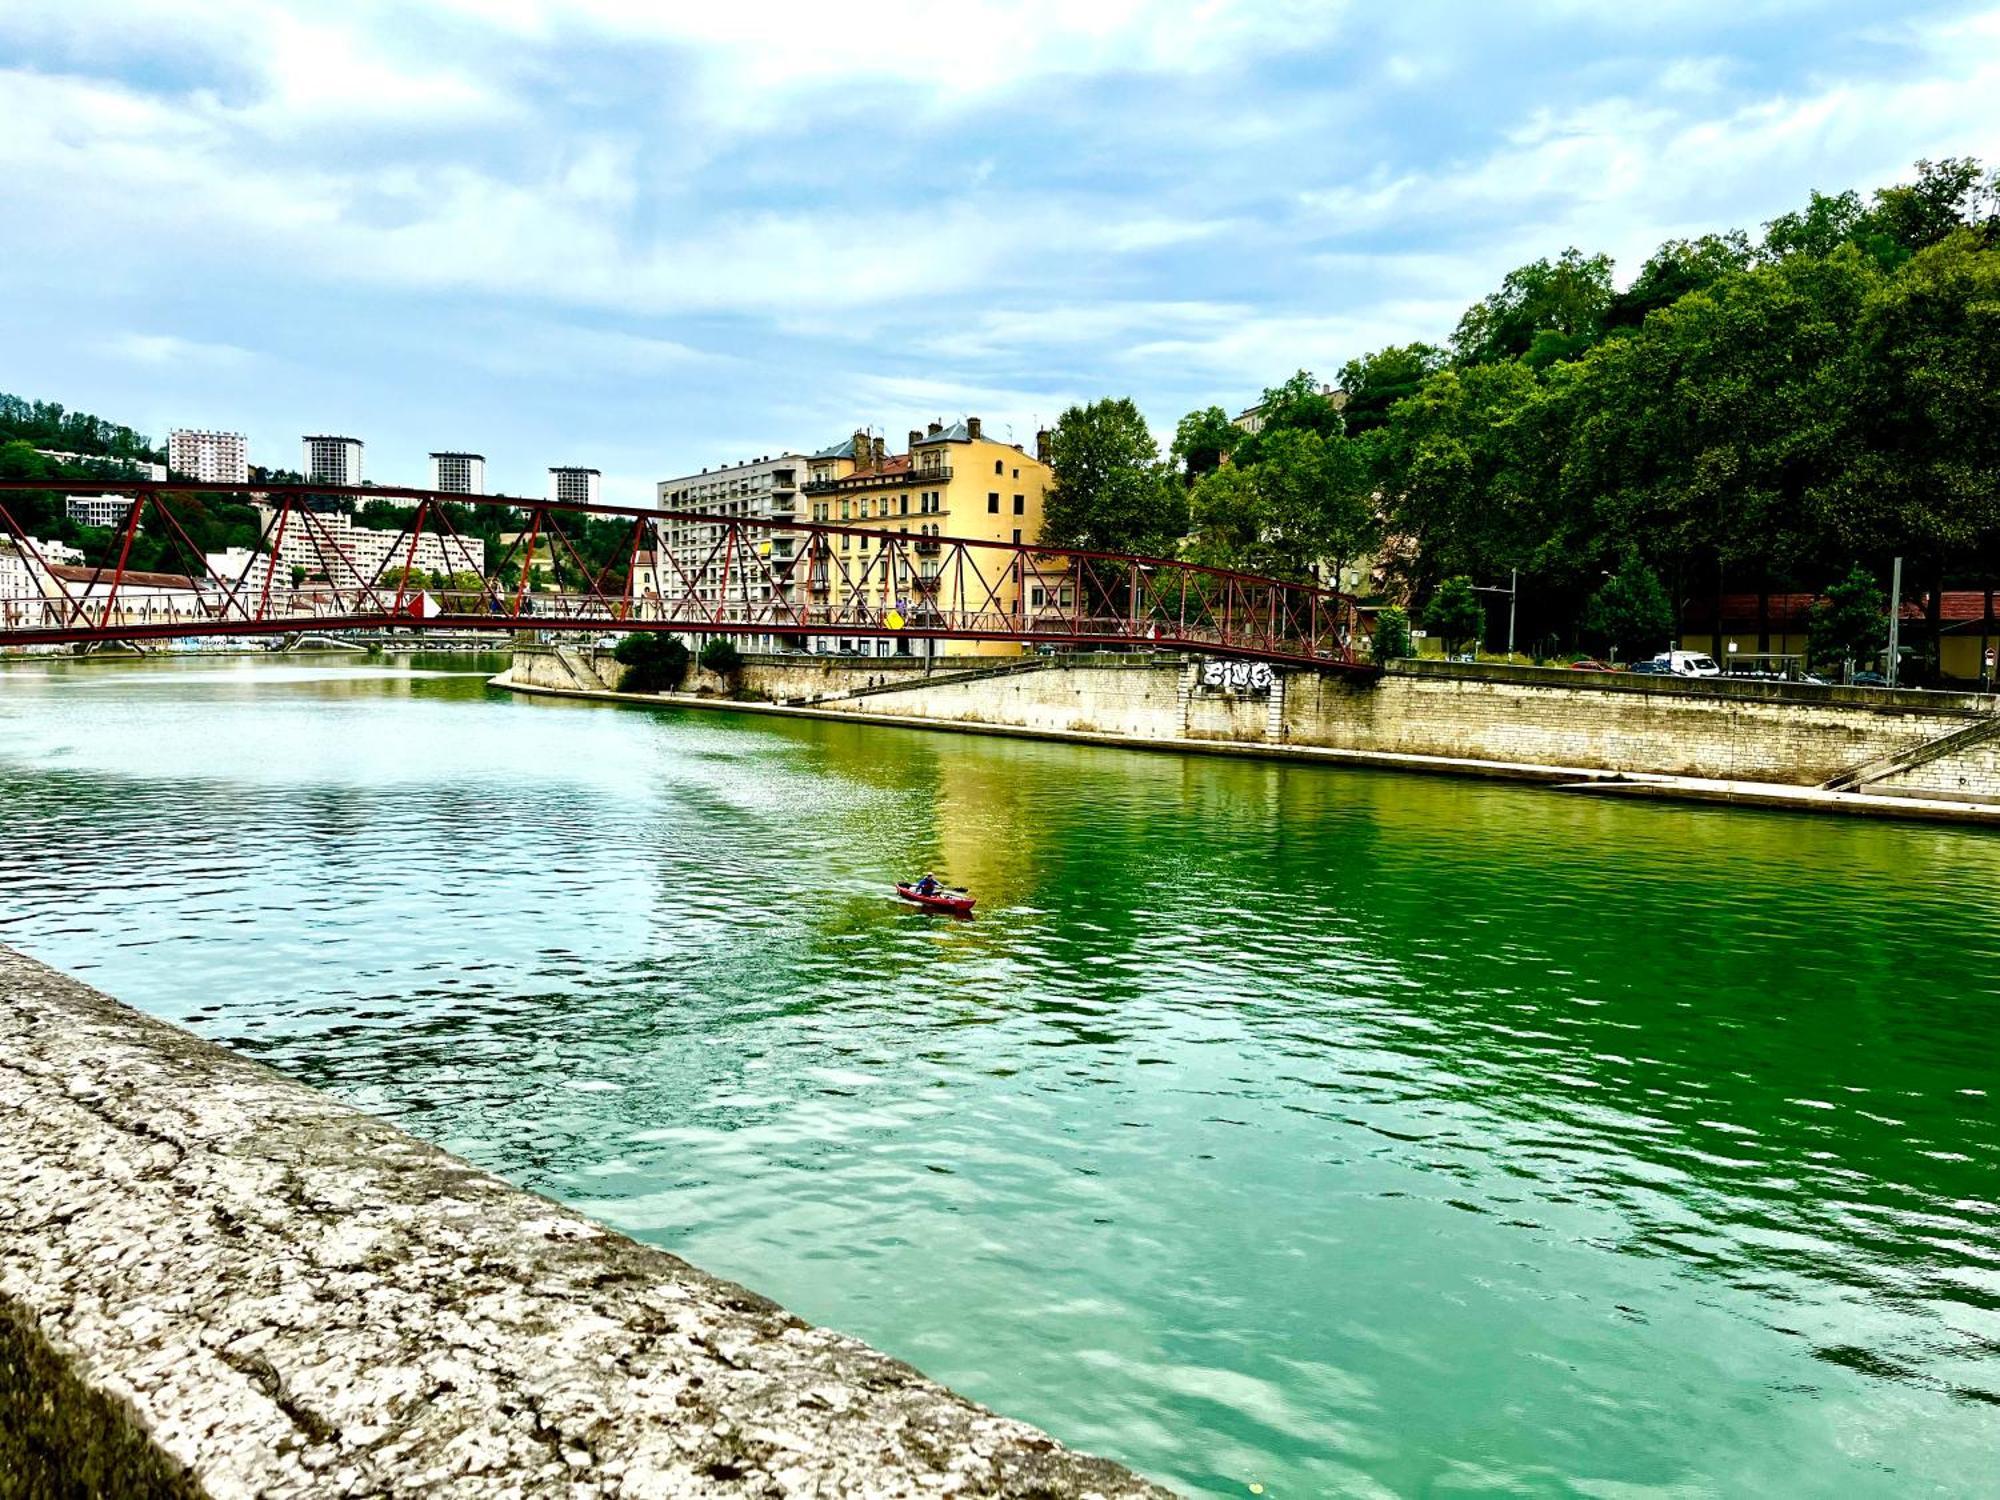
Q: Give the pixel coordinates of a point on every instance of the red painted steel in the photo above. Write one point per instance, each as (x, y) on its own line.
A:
(781, 571)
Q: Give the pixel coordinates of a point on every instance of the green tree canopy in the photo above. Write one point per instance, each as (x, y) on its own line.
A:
(1850, 623)
(1111, 491)
(1630, 612)
(1390, 640)
(1203, 440)
(1544, 312)
(1376, 382)
(1455, 615)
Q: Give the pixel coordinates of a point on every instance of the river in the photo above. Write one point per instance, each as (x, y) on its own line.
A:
(1335, 1132)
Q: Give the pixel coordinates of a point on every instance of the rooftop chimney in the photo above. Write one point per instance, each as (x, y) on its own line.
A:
(860, 448)
(972, 428)
(936, 428)
(881, 451)
(916, 437)
(1042, 445)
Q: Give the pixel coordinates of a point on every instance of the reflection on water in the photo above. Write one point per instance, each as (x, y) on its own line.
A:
(1342, 1133)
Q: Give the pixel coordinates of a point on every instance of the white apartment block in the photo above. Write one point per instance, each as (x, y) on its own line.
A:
(212, 457)
(328, 546)
(99, 510)
(330, 460)
(459, 473)
(575, 486)
(692, 554)
(139, 467)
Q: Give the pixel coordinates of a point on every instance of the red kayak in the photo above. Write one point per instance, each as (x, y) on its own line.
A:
(956, 902)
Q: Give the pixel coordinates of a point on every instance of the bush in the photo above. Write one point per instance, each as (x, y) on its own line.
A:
(654, 663)
(723, 659)
(1391, 640)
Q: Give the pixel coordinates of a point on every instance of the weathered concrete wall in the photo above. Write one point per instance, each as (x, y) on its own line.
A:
(1485, 713)
(283, 1297)
(1970, 775)
(1721, 730)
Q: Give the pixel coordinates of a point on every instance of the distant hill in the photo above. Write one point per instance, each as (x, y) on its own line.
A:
(46, 424)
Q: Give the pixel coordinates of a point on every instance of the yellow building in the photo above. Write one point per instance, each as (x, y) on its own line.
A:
(951, 482)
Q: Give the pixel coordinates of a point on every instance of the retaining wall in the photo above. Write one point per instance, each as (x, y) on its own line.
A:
(217, 1282)
(1787, 734)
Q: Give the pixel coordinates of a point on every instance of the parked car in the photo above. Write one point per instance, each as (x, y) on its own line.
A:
(1654, 668)
(1589, 664)
(1689, 663)
(1869, 679)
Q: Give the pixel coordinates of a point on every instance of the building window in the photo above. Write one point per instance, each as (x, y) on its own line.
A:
(992, 505)
(1020, 505)
(904, 508)
(1017, 473)
(996, 466)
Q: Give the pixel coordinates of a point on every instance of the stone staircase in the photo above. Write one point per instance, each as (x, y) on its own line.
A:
(1964, 738)
(1011, 668)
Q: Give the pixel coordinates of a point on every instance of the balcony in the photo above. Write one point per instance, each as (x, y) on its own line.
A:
(929, 546)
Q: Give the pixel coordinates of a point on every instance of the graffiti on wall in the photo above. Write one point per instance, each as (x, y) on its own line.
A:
(1244, 678)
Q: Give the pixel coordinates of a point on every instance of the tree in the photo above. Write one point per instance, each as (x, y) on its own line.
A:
(1461, 465)
(653, 662)
(1108, 493)
(1376, 382)
(1677, 268)
(1544, 312)
(1455, 615)
(1203, 440)
(1849, 623)
(723, 659)
(1630, 610)
(298, 575)
(1391, 638)
(1295, 405)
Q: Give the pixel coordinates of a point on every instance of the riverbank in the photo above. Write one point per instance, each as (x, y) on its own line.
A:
(215, 1280)
(1843, 751)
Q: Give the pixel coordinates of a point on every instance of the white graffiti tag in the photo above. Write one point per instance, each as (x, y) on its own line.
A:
(1247, 677)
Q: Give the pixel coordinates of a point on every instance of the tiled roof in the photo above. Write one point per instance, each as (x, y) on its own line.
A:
(957, 432)
(1791, 611)
(105, 575)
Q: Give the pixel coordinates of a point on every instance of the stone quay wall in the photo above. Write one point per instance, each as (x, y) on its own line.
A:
(1468, 714)
(216, 1282)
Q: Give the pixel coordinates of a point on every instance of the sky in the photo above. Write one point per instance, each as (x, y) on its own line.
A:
(649, 237)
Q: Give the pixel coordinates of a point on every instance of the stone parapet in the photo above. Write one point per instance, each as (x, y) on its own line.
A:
(216, 1281)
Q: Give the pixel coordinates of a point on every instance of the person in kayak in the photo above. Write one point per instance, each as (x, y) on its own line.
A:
(928, 886)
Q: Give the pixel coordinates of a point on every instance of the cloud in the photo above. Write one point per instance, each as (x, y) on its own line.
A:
(168, 350)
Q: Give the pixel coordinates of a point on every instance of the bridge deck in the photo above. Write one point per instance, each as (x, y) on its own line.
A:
(756, 576)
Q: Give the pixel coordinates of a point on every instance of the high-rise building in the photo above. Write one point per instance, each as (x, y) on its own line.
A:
(575, 486)
(331, 460)
(212, 457)
(692, 556)
(459, 473)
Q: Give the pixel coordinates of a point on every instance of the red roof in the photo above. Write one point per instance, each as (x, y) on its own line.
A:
(1790, 611)
(93, 576)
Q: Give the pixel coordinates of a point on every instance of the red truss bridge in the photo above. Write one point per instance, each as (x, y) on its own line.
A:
(679, 572)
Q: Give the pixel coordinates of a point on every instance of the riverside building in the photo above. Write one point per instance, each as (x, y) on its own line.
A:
(694, 557)
(459, 473)
(212, 457)
(330, 548)
(952, 481)
(330, 460)
(575, 486)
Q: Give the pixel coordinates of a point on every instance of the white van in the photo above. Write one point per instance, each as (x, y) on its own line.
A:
(1689, 663)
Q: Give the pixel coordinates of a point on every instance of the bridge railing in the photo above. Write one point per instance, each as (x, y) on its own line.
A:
(561, 568)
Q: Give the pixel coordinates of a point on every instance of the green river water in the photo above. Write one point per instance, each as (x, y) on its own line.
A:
(1336, 1132)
